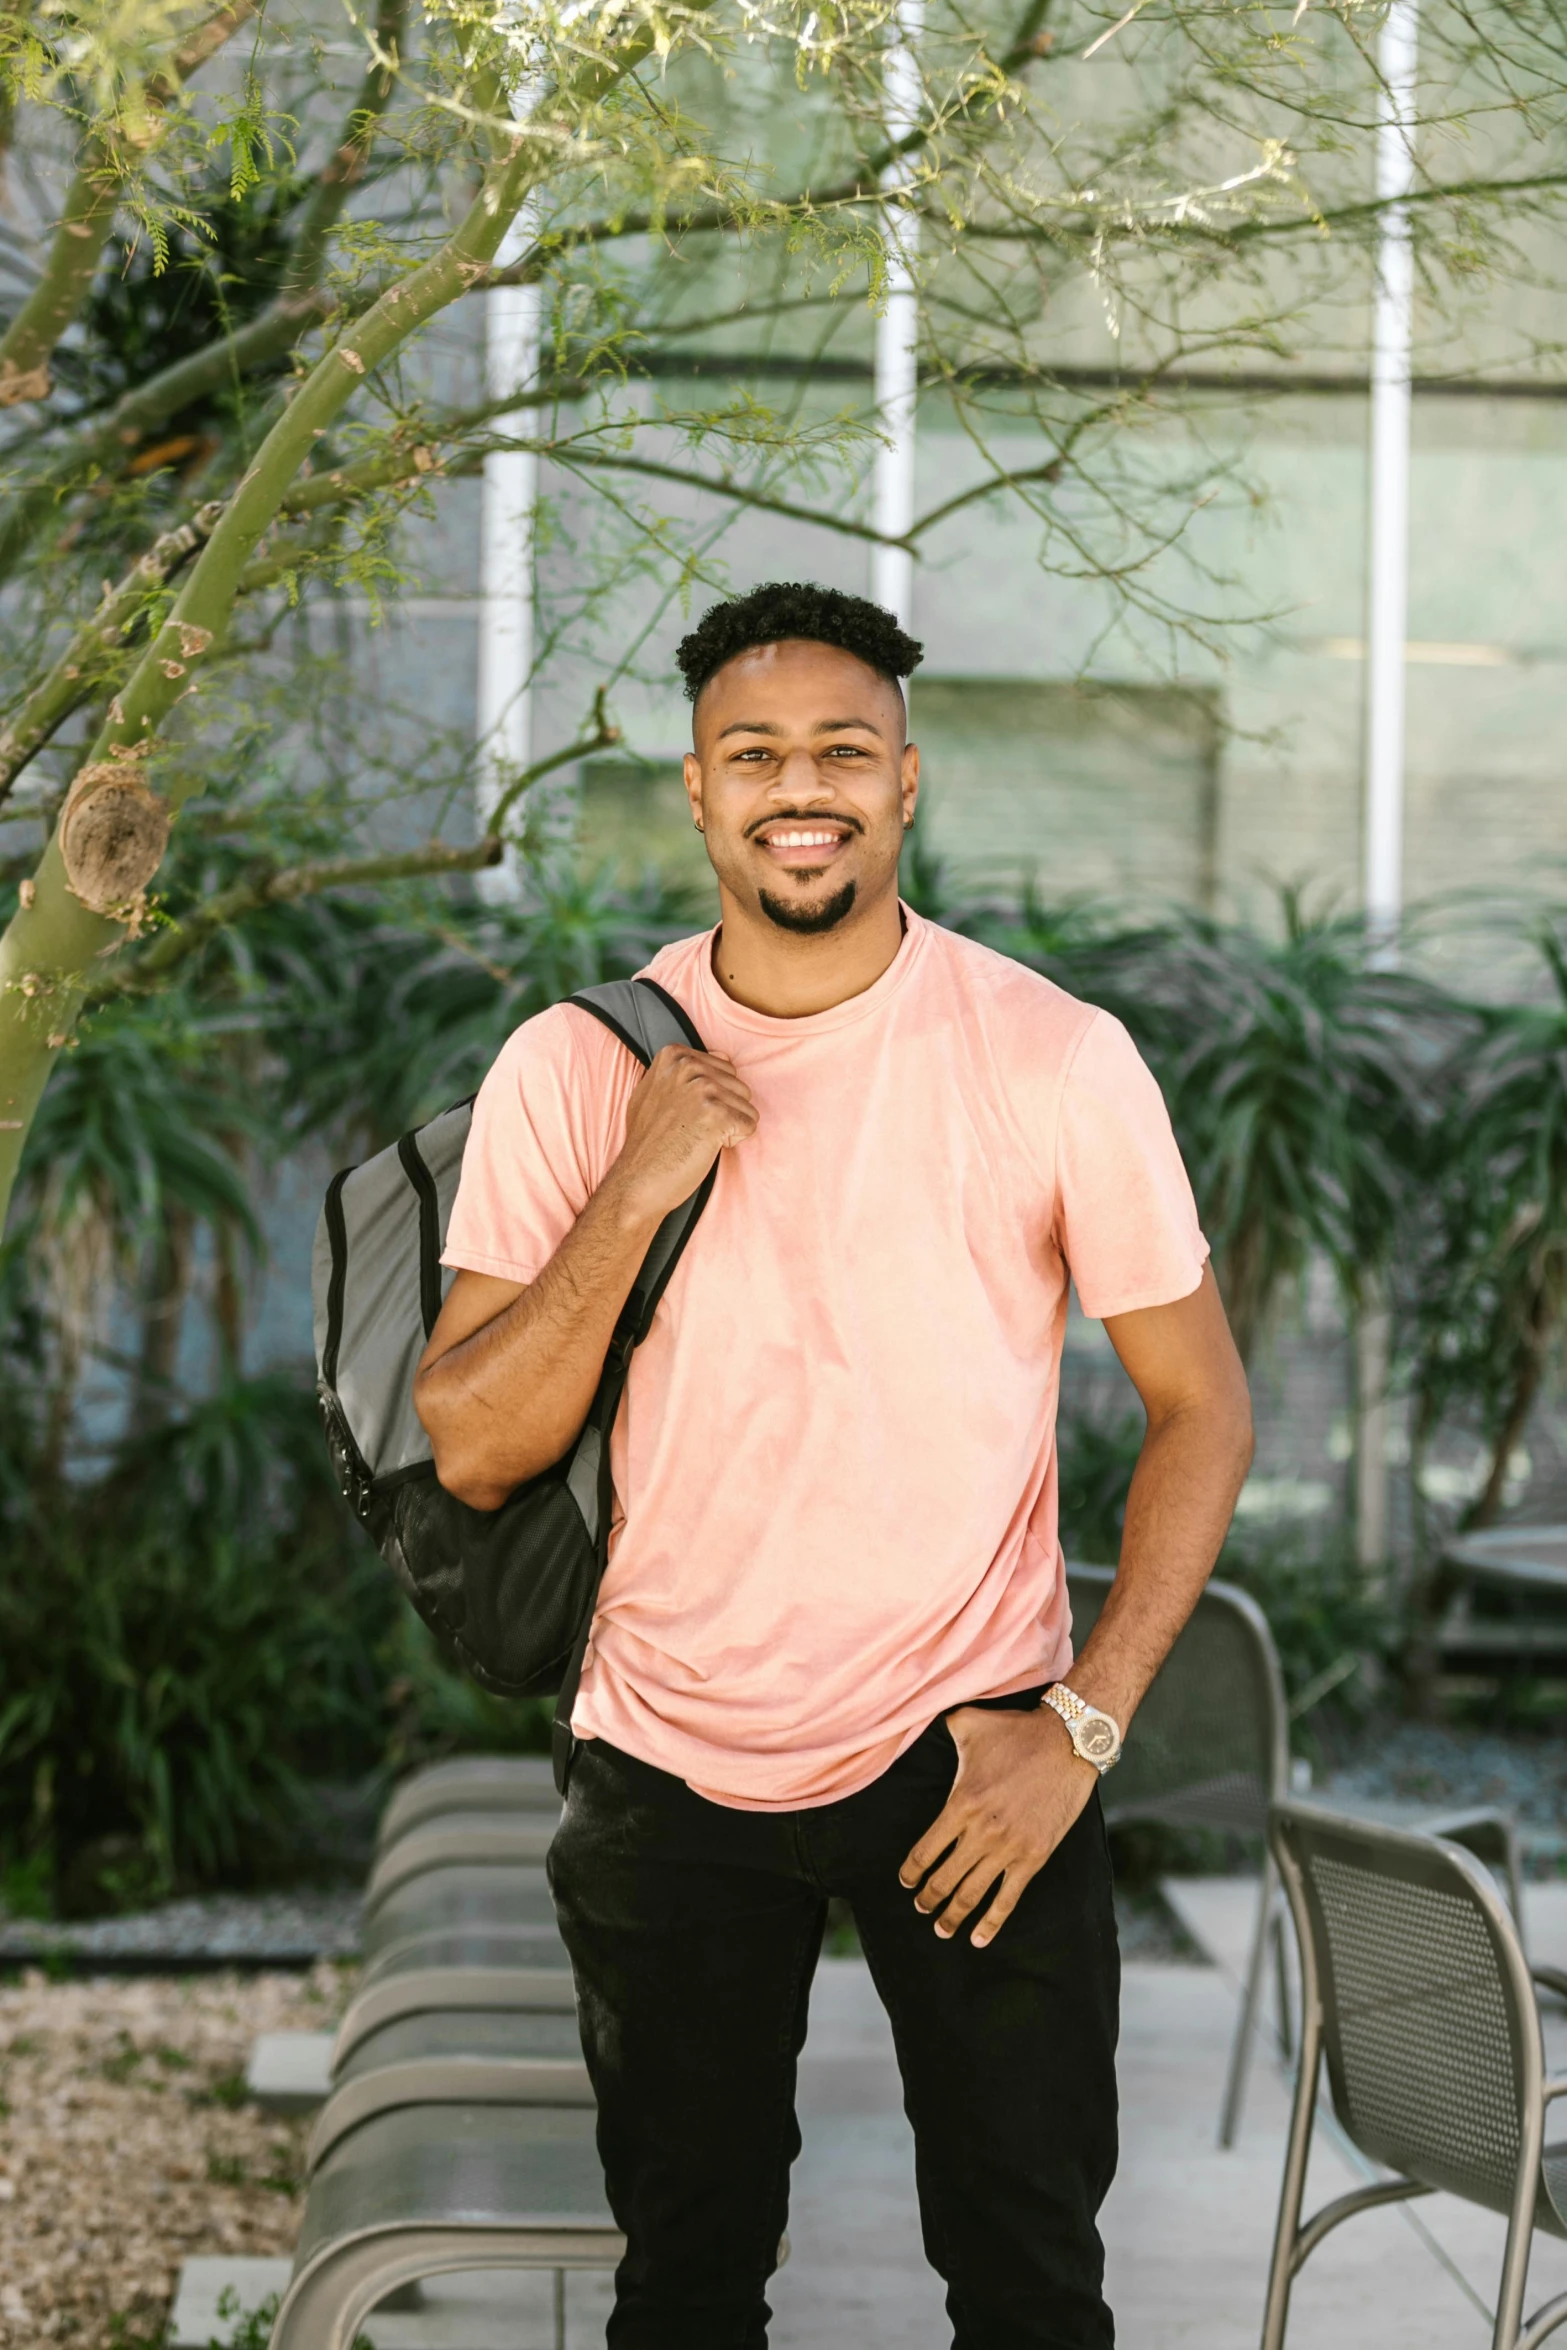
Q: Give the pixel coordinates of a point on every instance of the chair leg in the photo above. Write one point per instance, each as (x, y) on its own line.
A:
(1515, 2272)
(1286, 2239)
(560, 2309)
(1245, 2030)
(329, 2300)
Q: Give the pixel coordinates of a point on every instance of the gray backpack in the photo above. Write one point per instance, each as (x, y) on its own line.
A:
(511, 1590)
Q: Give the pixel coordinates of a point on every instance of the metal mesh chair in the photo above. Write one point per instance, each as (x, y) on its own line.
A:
(427, 2190)
(503, 1898)
(453, 2056)
(503, 1783)
(478, 1839)
(1417, 1995)
(1210, 1749)
(455, 1969)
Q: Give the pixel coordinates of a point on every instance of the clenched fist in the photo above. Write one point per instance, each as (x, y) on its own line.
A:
(687, 1108)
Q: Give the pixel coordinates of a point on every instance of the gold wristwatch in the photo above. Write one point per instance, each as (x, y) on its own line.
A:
(1095, 1736)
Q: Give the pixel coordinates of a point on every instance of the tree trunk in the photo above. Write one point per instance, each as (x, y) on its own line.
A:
(1485, 1510)
(162, 1320)
(228, 1308)
(89, 891)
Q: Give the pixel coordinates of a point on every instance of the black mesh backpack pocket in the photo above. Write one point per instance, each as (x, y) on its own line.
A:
(512, 1590)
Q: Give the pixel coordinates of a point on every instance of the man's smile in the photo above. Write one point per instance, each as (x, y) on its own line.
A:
(800, 846)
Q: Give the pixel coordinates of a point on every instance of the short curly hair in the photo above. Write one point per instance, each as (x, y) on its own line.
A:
(796, 608)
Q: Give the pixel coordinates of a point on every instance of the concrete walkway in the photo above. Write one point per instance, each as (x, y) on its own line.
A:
(1187, 2226)
(1188, 2229)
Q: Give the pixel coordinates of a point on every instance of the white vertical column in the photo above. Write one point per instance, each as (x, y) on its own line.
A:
(1387, 600)
(1373, 1426)
(897, 337)
(1388, 581)
(511, 480)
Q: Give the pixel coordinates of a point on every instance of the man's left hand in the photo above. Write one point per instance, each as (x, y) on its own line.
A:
(1020, 1785)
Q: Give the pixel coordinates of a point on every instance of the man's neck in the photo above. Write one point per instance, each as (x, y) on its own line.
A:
(789, 974)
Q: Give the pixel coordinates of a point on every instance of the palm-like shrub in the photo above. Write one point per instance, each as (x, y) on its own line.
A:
(181, 1644)
(1487, 1294)
(374, 1018)
(1299, 1077)
(145, 1142)
(191, 1634)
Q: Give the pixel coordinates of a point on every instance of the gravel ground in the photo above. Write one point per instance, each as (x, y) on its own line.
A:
(126, 2143)
(235, 1929)
(1525, 1773)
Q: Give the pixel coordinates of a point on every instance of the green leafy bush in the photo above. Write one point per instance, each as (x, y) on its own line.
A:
(194, 1635)
(1334, 1630)
(188, 1646)
(182, 1645)
(1096, 1459)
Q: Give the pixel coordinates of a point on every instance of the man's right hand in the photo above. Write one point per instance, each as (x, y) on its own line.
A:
(685, 1109)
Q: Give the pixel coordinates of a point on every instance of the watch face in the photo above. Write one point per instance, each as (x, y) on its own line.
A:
(1096, 1740)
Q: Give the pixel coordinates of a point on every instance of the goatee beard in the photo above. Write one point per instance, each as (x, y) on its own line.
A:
(808, 921)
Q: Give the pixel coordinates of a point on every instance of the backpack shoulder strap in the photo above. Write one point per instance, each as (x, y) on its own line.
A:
(646, 1017)
(642, 1014)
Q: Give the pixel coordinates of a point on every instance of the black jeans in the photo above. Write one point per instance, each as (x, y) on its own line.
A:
(694, 1931)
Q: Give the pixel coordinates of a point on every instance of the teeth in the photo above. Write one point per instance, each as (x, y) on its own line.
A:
(804, 840)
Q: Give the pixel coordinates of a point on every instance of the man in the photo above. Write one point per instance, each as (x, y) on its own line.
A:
(835, 1598)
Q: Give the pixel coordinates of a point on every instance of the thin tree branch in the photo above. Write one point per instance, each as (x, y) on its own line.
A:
(202, 42)
(201, 613)
(344, 169)
(412, 456)
(603, 738)
(1317, 222)
(29, 341)
(1029, 44)
(1051, 471)
(284, 887)
(301, 304)
(604, 461)
(378, 473)
(98, 650)
(76, 912)
(289, 883)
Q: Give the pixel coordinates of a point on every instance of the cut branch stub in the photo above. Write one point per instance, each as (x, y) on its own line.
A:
(112, 838)
(22, 383)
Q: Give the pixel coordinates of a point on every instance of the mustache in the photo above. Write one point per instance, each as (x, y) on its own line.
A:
(802, 816)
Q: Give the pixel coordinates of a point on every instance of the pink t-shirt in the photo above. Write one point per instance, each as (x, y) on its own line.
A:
(834, 1468)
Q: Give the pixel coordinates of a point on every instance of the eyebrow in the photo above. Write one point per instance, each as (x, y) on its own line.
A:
(822, 726)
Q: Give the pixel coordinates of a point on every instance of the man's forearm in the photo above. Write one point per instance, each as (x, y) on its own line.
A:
(1189, 1472)
(503, 1402)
